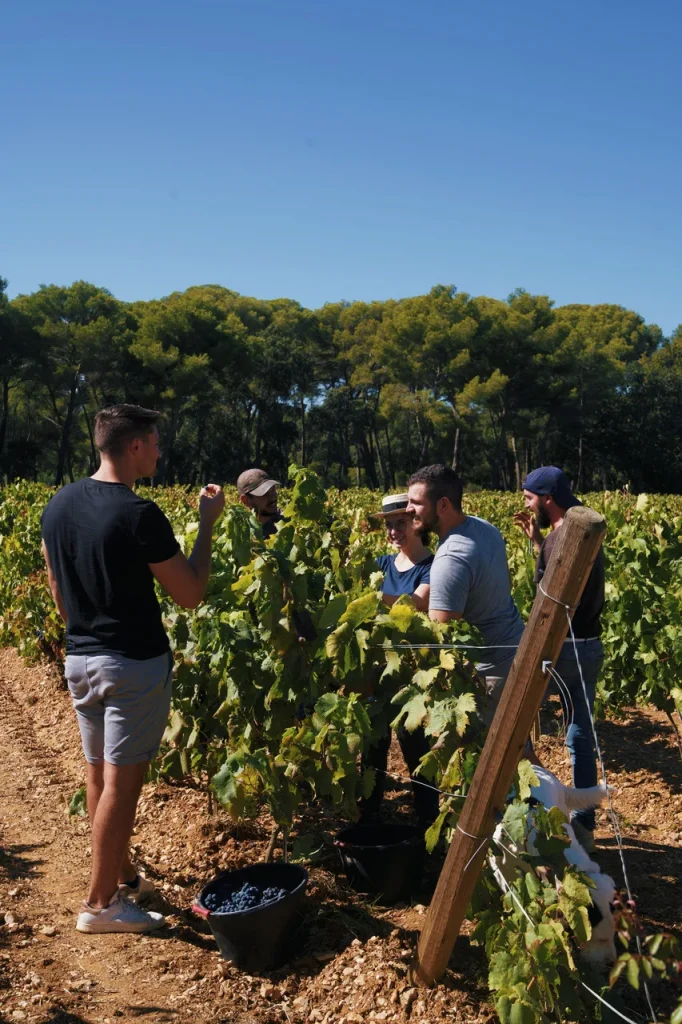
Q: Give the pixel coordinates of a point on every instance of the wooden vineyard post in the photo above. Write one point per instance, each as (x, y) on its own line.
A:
(536, 730)
(574, 553)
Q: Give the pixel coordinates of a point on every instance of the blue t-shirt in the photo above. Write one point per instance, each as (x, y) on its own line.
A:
(404, 581)
(470, 576)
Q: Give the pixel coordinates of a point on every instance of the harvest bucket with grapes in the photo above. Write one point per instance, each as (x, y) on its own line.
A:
(255, 913)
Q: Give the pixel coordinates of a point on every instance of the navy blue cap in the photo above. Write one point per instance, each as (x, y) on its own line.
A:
(551, 480)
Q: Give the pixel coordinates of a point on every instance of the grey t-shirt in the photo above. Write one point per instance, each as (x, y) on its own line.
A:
(470, 575)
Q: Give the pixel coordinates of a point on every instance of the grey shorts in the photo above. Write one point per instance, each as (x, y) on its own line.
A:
(121, 704)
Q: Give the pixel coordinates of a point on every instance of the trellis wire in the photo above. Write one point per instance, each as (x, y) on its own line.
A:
(590, 990)
(612, 813)
(569, 703)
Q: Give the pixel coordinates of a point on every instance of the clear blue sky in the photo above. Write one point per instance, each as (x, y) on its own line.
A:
(337, 149)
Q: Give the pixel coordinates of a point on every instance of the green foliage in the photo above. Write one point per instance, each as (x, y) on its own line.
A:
(77, 804)
(361, 392)
(295, 715)
(532, 932)
(29, 620)
(273, 719)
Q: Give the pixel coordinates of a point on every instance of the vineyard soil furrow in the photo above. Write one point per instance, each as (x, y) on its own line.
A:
(62, 977)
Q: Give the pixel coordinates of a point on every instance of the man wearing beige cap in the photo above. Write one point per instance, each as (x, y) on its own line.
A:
(259, 492)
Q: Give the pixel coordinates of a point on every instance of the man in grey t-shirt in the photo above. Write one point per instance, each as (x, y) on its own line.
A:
(469, 574)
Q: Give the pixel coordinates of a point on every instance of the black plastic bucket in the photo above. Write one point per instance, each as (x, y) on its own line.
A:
(384, 860)
(264, 937)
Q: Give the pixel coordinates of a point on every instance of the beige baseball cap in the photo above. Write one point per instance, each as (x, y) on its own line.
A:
(255, 482)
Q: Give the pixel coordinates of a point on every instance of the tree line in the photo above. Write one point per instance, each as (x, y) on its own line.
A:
(363, 392)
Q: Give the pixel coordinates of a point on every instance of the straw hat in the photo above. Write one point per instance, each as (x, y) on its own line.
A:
(391, 504)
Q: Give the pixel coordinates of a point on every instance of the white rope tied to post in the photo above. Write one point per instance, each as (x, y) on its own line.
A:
(484, 840)
(451, 796)
(568, 607)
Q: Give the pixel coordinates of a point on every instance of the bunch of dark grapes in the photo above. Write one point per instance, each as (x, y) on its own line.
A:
(246, 898)
(273, 893)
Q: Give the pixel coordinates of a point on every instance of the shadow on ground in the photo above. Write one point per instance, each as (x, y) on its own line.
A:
(641, 742)
(16, 862)
(628, 744)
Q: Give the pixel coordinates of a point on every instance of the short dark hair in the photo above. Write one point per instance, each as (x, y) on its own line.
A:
(441, 482)
(117, 425)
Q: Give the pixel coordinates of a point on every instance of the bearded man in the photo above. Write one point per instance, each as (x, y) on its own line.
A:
(469, 575)
(548, 496)
(258, 491)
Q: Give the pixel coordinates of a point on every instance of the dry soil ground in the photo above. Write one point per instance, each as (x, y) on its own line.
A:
(353, 966)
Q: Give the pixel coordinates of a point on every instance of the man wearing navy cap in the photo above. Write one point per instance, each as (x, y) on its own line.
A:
(548, 496)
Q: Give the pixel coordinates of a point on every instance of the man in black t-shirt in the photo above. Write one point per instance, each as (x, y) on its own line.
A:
(104, 546)
(548, 496)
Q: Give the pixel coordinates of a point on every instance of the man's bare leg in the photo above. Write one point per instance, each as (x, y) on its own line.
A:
(112, 827)
(95, 786)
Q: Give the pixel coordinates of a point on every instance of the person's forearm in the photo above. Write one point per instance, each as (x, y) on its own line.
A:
(56, 596)
(60, 604)
(439, 615)
(200, 559)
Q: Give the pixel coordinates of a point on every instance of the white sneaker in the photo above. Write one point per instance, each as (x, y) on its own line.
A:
(119, 916)
(136, 893)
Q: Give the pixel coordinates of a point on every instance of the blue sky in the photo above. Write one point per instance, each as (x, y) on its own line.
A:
(335, 149)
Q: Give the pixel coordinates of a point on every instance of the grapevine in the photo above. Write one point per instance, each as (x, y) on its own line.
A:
(292, 667)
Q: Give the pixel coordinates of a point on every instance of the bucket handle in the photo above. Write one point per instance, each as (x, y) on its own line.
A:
(201, 911)
(357, 865)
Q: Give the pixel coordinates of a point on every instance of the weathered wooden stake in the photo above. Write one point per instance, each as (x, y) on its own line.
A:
(536, 730)
(575, 550)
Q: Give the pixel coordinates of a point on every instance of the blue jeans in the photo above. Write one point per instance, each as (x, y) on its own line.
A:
(579, 739)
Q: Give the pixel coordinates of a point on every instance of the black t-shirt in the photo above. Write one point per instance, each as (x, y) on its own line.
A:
(586, 621)
(100, 538)
(269, 527)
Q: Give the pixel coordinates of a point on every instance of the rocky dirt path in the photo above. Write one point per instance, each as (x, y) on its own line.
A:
(49, 970)
(353, 967)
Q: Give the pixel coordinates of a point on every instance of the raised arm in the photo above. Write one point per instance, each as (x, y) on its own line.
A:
(528, 524)
(186, 579)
